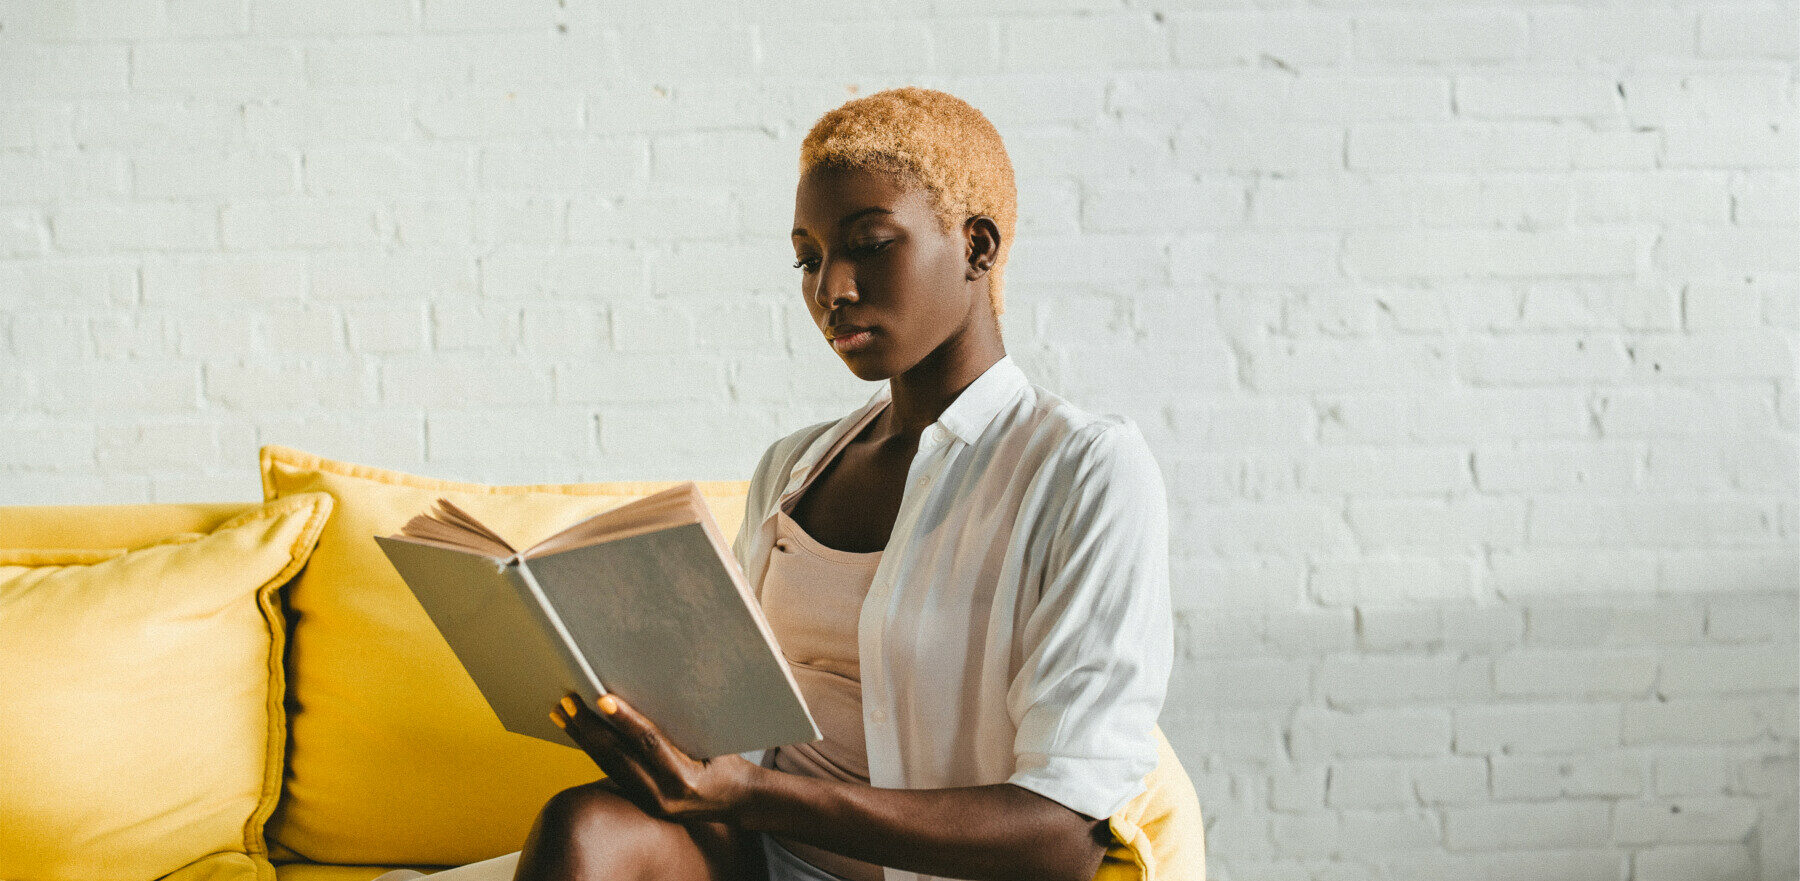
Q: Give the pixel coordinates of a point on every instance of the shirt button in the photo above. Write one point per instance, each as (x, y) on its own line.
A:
(781, 546)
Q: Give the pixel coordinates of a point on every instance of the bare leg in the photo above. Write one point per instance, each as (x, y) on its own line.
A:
(590, 832)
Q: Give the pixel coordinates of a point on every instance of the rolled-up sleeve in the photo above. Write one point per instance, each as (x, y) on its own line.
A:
(1099, 644)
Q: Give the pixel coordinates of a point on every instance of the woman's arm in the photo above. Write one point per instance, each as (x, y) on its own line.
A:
(1000, 831)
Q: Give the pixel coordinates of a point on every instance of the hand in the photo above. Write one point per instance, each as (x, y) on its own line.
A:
(653, 773)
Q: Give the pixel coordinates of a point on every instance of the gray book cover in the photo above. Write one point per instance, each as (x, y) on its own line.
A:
(655, 617)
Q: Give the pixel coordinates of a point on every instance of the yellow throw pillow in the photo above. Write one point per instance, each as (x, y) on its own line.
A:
(395, 758)
(140, 699)
(1158, 836)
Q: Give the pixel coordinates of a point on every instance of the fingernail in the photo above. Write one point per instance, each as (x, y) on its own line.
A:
(559, 722)
(568, 705)
(608, 705)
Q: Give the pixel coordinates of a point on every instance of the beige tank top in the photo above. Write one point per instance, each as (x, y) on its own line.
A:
(812, 596)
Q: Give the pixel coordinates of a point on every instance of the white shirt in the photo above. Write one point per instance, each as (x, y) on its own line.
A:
(1018, 628)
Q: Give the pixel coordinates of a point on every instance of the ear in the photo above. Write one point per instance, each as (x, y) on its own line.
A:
(981, 238)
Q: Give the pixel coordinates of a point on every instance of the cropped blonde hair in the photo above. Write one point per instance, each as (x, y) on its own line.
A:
(933, 140)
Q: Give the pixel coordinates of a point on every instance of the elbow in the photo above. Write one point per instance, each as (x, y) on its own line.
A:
(1069, 854)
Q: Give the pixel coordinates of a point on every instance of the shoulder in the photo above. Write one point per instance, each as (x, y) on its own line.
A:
(1081, 441)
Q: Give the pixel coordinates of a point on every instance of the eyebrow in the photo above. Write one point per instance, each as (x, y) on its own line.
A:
(847, 219)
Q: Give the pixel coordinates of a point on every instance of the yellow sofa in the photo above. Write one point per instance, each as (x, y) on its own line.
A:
(371, 749)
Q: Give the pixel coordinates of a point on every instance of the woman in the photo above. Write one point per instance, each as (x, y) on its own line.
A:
(968, 573)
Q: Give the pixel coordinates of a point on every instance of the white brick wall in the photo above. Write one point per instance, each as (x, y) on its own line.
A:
(1466, 336)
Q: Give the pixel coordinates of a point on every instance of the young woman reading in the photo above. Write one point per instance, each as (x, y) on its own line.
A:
(968, 573)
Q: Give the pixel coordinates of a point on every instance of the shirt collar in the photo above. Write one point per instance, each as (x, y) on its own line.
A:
(965, 419)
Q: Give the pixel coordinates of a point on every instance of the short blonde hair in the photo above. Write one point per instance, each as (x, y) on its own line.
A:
(933, 140)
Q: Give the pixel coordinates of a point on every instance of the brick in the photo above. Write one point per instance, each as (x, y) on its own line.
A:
(1420, 732)
(36, 70)
(1559, 466)
(141, 226)
(300, 223)
(386, 62)
(322, 117)
(1536, 728)
(661, 215)
(388, 169)
(586, 166)
(1450, 781)
(1529, 825)
(1648, 520)
(158, 445)
(62, 174)
(1763, 30)
(1288, 147)
(490, 113)
(603, 273)
(563, 329)
(1239, 682)
(838, 49)
(1681, 410)
(1696, 771)
(1684, 820)
(1693, 862)
(1415, 146)
(1392, 580)
(1646, 623)
(1536, 96)
(1432, 36)
(1453, 253)
(330, 18)
(70, 283)
(1378, 680)
(1106, 43)
(1299, 787)
(433, 382)
(380, 329)
(1607, 774)
(1339, 365)
(221, 69)
(1585, 673)
(1598, 304)
(1693, 720)
(1723, 669)
(392, 276)
(1753, 462)
(472, 15)
(1172, 206)
(1729, 143)
(187, 174)
(1598, 33)
(281, 387)
(504, 434)
(1367, 469)
(1429, 523)
(356, 437)
(475, 327)
(1310, 631)
(721, 50)
(1722, 354)
(1752, 619)
(1294, 38)
(637, 378)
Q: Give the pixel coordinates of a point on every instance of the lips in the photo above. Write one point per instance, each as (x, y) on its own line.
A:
(849, 338)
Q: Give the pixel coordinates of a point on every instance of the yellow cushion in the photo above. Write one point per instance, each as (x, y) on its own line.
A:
(1158, 836)
(121, 526)
(140, 699)
(223, 867)
(395, 758)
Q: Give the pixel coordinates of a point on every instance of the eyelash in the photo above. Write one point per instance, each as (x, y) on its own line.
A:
(865, 249)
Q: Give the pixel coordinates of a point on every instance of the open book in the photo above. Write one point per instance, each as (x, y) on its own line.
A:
(646, 600)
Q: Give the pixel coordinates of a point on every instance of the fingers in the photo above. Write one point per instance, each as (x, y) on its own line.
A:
(641, 733)
(601, 742)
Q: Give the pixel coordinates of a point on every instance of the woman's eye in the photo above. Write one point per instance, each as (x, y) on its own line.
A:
(873, 247)
(803, 263)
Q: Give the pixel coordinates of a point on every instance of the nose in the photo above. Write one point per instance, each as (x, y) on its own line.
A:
(837, 283)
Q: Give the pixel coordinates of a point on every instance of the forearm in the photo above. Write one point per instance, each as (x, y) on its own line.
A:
(998, 832)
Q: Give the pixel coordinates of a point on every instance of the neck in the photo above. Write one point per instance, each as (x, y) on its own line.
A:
(923, 393)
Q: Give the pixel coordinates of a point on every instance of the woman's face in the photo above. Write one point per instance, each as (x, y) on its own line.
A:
(874, 259)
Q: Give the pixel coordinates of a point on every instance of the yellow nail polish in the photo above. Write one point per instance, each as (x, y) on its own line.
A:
(608, 705)
(568, 705)
(559, 722)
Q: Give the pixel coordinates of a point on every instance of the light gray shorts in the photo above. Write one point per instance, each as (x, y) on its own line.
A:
(783, 866)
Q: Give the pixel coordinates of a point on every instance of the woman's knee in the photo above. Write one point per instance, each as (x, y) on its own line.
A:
(592, 828)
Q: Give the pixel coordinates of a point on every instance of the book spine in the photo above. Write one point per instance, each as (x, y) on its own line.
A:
(527, 584)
